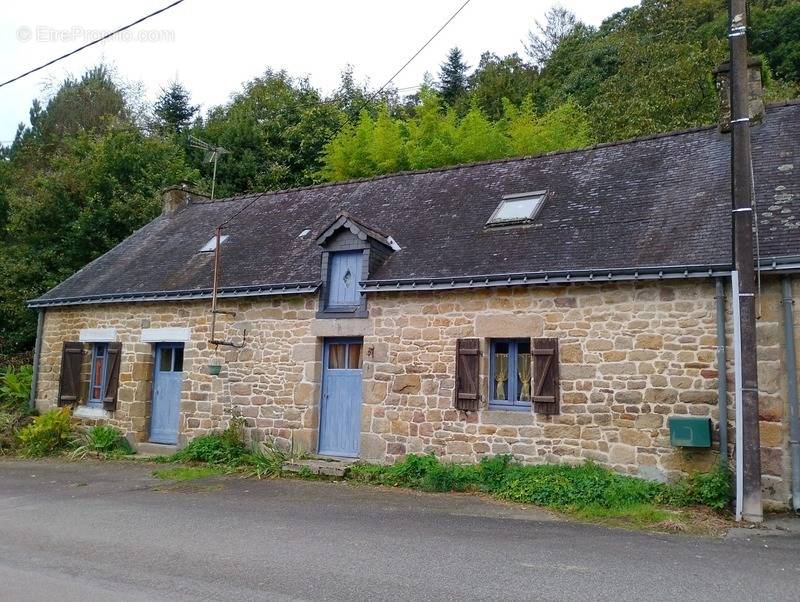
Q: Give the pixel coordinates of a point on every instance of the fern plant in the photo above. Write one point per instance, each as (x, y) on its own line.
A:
(15, 387)
(49, 433)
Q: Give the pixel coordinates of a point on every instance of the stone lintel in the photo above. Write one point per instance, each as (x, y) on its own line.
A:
(508, 326)
(342, 327)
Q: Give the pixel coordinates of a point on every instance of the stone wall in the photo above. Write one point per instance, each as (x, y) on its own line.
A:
(631, 356)
(272, 381)
(773, 392)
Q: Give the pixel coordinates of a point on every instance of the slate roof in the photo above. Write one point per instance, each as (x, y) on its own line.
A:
(658, 202)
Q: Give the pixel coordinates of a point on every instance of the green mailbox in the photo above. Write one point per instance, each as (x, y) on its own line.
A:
(689, 431)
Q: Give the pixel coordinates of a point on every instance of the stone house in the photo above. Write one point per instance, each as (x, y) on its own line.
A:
(558, 308)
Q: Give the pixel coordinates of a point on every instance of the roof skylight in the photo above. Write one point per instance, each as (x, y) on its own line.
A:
(211, 245)
(517, 208)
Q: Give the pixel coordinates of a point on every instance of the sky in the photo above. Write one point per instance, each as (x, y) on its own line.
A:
(213, 47)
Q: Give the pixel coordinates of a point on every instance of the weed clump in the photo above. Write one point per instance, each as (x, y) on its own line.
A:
(104, 441)
(556, 486)
(223, 448)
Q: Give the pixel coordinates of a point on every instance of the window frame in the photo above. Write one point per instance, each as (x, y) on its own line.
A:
(348, 344)
(513, 402)
(90, 399)
(353, 307)
(494, 222)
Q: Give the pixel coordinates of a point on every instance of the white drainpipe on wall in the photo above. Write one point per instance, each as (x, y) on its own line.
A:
(737, 388)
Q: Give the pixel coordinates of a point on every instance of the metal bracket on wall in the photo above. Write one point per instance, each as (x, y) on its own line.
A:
(229, 343)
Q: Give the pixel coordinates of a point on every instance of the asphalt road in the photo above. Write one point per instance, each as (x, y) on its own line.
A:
(109, 531)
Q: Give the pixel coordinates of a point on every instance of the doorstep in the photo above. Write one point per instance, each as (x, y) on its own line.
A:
(151, 450)
(332, 467)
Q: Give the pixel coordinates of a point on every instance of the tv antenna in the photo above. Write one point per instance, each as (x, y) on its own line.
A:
(213, 153)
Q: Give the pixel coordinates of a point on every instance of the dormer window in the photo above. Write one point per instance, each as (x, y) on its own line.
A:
(517, 208)
(351, 252)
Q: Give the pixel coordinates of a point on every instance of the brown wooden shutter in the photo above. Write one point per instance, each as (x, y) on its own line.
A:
(467, 395)
(545, 376)
(112, 376)
(69, 385)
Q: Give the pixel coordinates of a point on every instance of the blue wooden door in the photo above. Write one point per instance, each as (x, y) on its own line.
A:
(345, 272)
(340, 414)
(167, 380)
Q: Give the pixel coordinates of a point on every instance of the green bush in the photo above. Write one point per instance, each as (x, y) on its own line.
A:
(104, 440)
(48, 434)
(226, 447)
(15, 387)
(713, 489)
(555, 486)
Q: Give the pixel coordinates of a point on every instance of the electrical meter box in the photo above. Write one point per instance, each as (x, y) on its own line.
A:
(689, 431)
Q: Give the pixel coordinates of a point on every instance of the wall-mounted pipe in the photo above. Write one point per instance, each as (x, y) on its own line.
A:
(791, 375)
(722, 373)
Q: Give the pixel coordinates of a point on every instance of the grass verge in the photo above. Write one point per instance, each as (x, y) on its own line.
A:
(587, 492)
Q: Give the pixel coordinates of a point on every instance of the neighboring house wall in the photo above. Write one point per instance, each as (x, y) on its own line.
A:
(631, 355)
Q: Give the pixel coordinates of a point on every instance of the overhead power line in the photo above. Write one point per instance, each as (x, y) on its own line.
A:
(92, 43)
(367, 100)
(372, 96)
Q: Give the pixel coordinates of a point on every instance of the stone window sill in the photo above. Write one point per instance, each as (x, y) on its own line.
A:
(332, 314)
(94, 413)
(506, 408)
(515, 417)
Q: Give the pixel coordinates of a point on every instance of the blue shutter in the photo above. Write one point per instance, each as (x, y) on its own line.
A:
(345, 272)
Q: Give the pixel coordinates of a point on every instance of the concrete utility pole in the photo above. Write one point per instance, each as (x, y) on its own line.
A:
(741, 187)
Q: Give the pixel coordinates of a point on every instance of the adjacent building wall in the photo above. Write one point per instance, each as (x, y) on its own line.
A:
(631, 356)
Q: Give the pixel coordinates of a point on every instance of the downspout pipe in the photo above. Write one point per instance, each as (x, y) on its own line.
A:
(722, 373)
(37, 352)
(791, 375)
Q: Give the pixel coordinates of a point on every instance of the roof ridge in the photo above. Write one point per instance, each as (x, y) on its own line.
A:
(413, 172)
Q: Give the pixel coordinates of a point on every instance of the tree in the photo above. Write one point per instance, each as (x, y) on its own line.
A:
(95, 102)
(431, 134)
(453, 78)
(173, 110)
(635, 102)
(559, 22)
(437, 138)
(478, 139)
(565, 127)
(93, 194)
(78, 180)
(497, 78)
(776, 35)
(387, 147)
(275, 129)
(372, 146)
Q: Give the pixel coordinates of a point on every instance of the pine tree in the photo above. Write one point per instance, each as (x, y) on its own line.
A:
(172, 109)
(453, 78)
